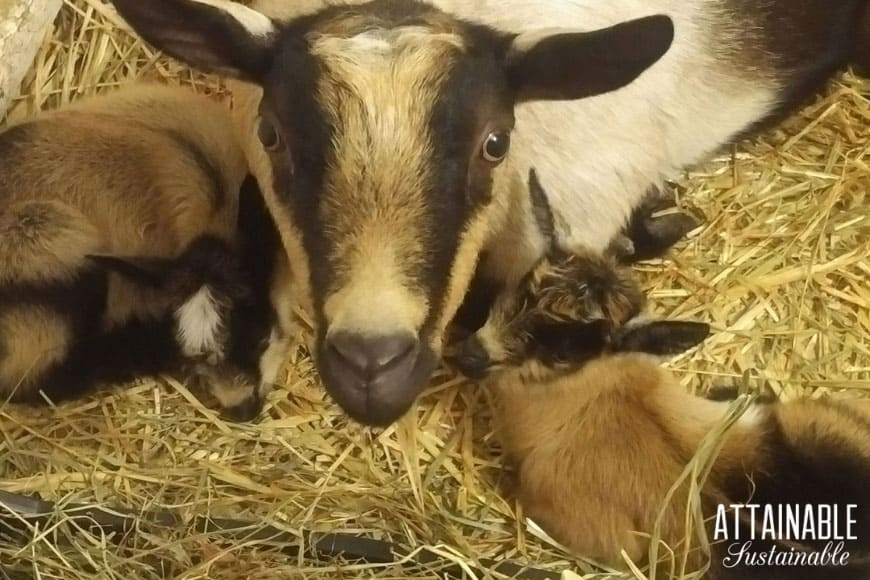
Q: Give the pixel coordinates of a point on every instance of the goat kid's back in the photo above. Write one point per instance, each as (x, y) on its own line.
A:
(598, 451)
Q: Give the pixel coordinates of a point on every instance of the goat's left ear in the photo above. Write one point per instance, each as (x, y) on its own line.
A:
(575, 65)
(661, 337)
(217, 36)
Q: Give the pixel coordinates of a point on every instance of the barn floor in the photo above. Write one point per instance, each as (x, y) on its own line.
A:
(780, 269)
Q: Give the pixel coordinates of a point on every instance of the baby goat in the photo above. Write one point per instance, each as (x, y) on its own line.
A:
(600, 433)
(121, 253)
(220, 325)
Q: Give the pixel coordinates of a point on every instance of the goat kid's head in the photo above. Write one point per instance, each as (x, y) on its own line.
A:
(383, 127)
(573, 307)
(228, 349)
(562, 313)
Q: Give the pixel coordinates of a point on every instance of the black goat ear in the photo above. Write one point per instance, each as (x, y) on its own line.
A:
(218, 36)
(662, 337)
(574, 65)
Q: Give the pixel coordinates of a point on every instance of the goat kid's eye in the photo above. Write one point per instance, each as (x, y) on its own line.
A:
(496, 146)
(268, 135)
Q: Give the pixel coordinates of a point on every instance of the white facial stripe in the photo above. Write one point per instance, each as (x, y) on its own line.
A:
(200, 325)
(256, 23)
(378, 89)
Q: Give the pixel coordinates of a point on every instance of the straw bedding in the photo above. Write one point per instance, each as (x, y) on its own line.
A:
(780, 269)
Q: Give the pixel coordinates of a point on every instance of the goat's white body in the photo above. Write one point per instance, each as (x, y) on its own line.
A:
(597, 157)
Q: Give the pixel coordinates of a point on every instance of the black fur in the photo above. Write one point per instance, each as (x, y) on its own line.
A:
(653, 236)
(597, 62)
(300, 167)
(478, 301)
(79, 302)
(253, 317)
(571, 344)
(805, 41)
(206, 260)
(136, 348)
(860, 56)
(148, 346)
(462, 179)
(661, 337)
(541, 208)
(219, 44)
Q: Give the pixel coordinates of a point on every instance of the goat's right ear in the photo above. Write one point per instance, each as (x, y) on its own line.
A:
(150, 272)
(217, 36)
(661, 337)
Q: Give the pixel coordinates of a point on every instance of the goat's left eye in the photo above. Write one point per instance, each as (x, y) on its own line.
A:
(496, 146)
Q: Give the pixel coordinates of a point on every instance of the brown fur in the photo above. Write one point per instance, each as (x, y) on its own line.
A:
(379, 189)
(377, 176)
(598, 450)
(132, 173)
(599, 440)
(563, 288)
(140, 172)
(32, 339)
(43, 241)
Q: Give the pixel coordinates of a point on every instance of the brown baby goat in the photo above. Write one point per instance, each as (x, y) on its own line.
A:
(600, 433)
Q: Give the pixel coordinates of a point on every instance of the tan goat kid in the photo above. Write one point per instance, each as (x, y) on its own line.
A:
(120, 251)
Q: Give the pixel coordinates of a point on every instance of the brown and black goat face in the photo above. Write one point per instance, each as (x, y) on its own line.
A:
(565, 311)
(386, 126)
(224, 335)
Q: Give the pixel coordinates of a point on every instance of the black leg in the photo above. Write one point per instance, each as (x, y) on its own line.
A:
(652, 236)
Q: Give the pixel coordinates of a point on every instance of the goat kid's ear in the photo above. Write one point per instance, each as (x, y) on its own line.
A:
(568, 66)
(662, 337)
(151, 272)
(542, 211)
(217, 36)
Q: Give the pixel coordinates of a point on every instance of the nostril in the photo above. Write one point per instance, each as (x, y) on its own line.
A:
(472, 359)
(369, 356)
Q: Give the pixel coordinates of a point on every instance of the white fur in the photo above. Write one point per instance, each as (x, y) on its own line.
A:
(596, 157)
(711, 412)
(200, 325)
(256, 23)
(755, 416)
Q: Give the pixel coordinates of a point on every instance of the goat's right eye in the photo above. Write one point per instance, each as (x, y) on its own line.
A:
(268, 134)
